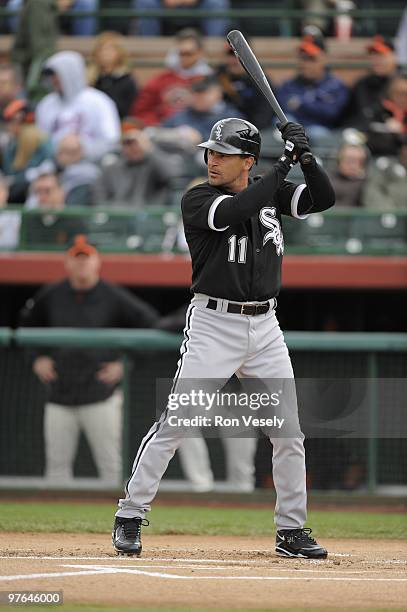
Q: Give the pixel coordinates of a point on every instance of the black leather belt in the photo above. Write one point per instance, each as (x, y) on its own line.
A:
(243, 309)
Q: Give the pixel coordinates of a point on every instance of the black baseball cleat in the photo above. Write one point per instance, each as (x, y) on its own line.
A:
(299, 543)
(126, 535)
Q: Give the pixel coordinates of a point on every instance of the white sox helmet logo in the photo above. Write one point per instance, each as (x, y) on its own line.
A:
(218, 131)
(267, 218)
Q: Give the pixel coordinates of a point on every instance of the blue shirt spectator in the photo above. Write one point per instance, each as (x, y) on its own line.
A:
(314, 97)
(152, 26)
(206, 108)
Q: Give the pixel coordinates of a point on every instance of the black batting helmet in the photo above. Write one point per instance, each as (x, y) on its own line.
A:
(233, 137)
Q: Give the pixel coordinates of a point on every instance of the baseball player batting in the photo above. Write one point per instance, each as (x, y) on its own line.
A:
(233, 228)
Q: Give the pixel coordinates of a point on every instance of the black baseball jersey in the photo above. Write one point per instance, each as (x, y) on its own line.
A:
(242, 262)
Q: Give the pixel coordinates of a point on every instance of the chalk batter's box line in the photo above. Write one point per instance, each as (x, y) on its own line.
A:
(88, 570)
(138, 572)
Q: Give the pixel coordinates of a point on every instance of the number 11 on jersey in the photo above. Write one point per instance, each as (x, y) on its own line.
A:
(242, 249)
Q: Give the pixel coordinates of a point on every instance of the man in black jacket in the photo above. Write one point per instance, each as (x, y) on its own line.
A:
(83, 384)
(367, 93)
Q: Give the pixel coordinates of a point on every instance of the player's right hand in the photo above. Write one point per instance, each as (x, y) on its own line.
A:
(44, 368)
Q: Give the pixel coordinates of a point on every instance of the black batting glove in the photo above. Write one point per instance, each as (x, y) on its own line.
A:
(296, 141)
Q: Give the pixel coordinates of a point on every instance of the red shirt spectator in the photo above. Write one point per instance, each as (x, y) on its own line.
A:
(168, 92)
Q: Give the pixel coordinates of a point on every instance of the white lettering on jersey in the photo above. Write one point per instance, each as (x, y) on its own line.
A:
(267, 218)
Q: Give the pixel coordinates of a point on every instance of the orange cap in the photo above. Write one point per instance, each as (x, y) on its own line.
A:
(131, 124)
(14, 107)
(311, 46)
(379, 44)
(81, 247)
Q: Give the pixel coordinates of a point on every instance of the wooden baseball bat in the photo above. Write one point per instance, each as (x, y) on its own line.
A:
(251, 64)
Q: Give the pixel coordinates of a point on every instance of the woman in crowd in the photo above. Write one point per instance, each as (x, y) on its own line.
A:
(109, 71)
(27, 148)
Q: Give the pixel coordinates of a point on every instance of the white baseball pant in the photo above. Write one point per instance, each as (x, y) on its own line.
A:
(216, 345)
(101, 422)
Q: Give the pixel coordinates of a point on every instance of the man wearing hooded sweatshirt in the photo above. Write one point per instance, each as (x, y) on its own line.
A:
(75, 108)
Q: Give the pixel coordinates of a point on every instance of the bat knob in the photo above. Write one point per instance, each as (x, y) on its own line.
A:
(306, 158)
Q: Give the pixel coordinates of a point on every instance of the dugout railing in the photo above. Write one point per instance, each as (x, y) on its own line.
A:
(151, 355)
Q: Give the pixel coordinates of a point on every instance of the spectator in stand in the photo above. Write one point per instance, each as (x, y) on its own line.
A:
(46, 191)
(152, 26)
(137, 178)
(109, 71)
(10, 85)
(75, 108)
(10, 220)
(315, 98)
(27, 148)
(77, 175)
(36, 38)
(80, 26)
(239, 90)
(386, 186)
(10, 89)
(180, 134)
(48, 229)
(349, 177)
(168, 92)
(367, 93)
(389, 123)
(205, 109)
(83, 385)
(319, 20)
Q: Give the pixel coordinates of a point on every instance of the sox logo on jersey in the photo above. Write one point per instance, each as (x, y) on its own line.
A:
(267, 218)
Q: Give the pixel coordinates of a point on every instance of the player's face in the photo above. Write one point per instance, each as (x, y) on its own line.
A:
(228, 171)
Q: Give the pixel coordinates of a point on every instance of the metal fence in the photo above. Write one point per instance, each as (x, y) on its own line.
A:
(150, 355)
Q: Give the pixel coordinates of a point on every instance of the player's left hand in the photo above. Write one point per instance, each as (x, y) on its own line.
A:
(110, 373)
(296, 140)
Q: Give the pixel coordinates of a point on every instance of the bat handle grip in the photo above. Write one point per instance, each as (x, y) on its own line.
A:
(281, 124)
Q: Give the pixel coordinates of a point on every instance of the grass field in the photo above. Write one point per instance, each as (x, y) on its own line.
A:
(97, 518)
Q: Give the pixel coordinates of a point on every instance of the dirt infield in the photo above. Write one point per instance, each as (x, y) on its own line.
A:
(211, 572)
